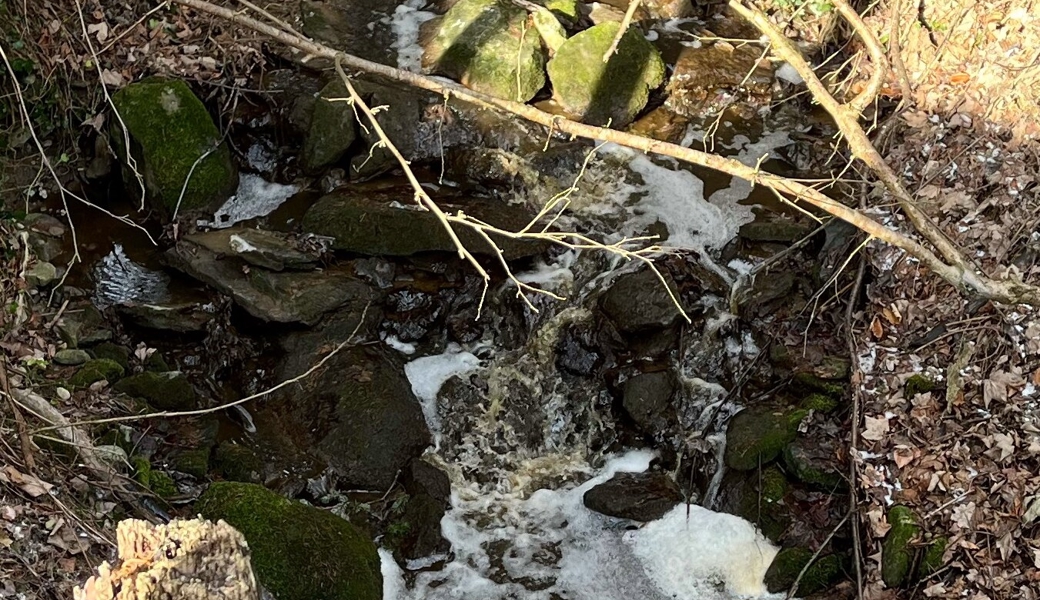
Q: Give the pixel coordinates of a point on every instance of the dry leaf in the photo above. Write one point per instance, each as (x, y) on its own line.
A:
(99, 30)
(876, 328)
(962, 515)
(29, 484)
(875, 428)
(111, 78)
(960, 78)
(902, 456)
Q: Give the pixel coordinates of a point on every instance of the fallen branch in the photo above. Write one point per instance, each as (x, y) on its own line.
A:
(959, 274)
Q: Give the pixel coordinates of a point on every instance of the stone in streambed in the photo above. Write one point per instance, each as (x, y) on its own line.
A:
(756, 436)
(639, 302)
(635, 496)
(812, 461)
(298, 552)
(613, 92)
(647, 399)
(488, 46)
(896, 551)
(169, 131)
(333, 128)
(162, 391)
(93, 371)
(788, 564)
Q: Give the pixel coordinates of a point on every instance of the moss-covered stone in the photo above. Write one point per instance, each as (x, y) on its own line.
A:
(83, 326)
(774, 485)
(812, 383)
(918, 384)
(71, 357)
(565, 10)
(488, 46)
(159, 483)
(789, 562)
(162, 391)
(600, 92)
(170, 130)
(235, 462)
(896, 552)
(332, 130)
(757, 436)
(298, 552)
(813, 463)
(932, 560)
(115, 352)
(155, 362)
(819, 403)
(193, 461)
(96, 370)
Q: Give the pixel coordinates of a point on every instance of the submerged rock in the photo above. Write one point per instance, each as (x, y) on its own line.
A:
(896, 551)
(298, 552)
(358, 415)
(179, 317)
(401, 116)
(385, 221)
(708, 78)
(488, 46)
(162, 391)
(788, 564)
(613, 92)
(332, 130)
(634, 496)
(170, 130)
(756, 436)
(353, 26)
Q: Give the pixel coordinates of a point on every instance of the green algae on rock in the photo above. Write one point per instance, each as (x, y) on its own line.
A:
(896, 552)
(488, 46)
(613, 92)
(332, 130)
(159, 483)
(788, 564)
(170, 130)
(162, 391)
(756, 436)
(96, 370)
(298, 552)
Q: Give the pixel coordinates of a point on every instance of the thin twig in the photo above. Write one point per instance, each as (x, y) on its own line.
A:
(854, 385)
(794, 586)
(19, 419)
(633, 6)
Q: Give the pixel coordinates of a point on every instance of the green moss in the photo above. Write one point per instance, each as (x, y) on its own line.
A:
(757, 436)
(819, 403)
(811, 467)
(170, 130)
(194, 462)
(600, 92)
(820, 575)
(298, 552)
(96, 370)
(811, 383)
(332, 130)
(565, 10)
(113, 352)
(917, 384)
(488, 46)
(774, 485)
(896, 553)
(932, 560)
(235, 462)
(159, 483)
(163, 391)
(155, 362)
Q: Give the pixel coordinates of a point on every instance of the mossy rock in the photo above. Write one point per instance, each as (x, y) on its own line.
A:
(757, 436)
(917, 384)
(332, 130)
(789, 562)
(819, 403)
(815, 384)
(932, 560)
(115, 352)
(193, 461)
(155, 362)
(813, 463)
(83, 327)
(774, 485)
(159, 483)
(488, 46)
(162, 391)
(600, 92)
(96, 370)
(567, 11)
(170, 130)
(298, 552)
(235, 462)
(896, 552)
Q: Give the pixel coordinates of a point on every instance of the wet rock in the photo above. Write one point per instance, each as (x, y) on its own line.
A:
(410, 314)
(576, 353)
(647, 399)
(332, 130)
(788, 564)
(281, 297)
(813, 462)
(268, 249)
(707, 79)
(376, 271)
(402, 120)
(761, 499)
(613, 92)
(95, 370)
(359, 414)
(111, 351)
(383, 221)
(488, 46)
(636, 496)
(776, 230)
(41, 274)
(668, 9)
(162, 391)
(756, 436)
(420, 477)
(298, 552)
(421, 519)
(187, 317)
(358, 27)
(896, 551)
(170, 130)
(637, 302)
(71, 357)
(83, 327)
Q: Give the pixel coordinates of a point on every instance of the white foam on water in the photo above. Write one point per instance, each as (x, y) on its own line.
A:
(558, 548)
(428, 373)
(254, 198)
(120, 280)
(405, 24)
(396, 344)
(788, 73)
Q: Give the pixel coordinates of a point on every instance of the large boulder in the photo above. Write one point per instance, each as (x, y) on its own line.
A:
(169, 131)
(385, 221)
(358, 414)
(612, 92)
(488, 46)
(298, 552)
